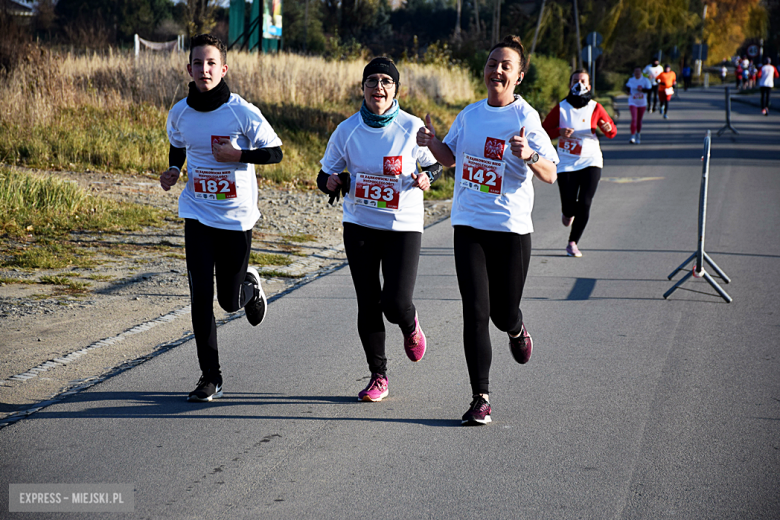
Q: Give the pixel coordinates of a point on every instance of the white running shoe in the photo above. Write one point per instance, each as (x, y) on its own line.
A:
(633, 139)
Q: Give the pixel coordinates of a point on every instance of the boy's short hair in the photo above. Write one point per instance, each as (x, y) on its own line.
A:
(201, 40)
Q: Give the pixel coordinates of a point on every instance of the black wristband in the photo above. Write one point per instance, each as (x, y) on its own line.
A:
(262, 155)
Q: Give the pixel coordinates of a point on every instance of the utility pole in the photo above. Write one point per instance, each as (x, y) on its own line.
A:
(538, 25)
(579, 42)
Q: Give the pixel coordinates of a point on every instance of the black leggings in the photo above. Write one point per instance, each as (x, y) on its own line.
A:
(398, 253)
(652, 96)
(225, 252)
(492, 267)
(577, 192)
(765, 91)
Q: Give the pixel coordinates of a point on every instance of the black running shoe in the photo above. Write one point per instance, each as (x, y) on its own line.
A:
(255, 309)
(479, 412)
(209, 387)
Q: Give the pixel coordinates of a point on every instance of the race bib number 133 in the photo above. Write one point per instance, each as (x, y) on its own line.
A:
(377, 191)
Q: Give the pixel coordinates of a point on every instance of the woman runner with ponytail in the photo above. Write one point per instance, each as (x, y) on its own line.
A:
(497, 146)
(383, 214)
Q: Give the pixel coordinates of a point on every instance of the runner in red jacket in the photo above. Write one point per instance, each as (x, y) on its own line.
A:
(574, 121)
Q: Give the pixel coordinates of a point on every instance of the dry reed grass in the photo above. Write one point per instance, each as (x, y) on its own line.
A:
(107, 110)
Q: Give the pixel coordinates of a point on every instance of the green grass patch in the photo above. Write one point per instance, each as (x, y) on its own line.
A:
(299, 238)
(279, 274)
(8, 280)
(442, 189)
(269, 259)
(178, 256)
(71, 286)
(100, 277)
(125, 138)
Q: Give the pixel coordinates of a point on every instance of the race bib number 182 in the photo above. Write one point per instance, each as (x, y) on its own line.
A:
(214, 184)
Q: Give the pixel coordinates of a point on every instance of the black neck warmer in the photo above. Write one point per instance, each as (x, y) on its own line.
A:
(579, 101)
(209, 100)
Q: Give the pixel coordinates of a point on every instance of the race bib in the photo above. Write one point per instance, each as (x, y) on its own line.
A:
(639, 95)
(377, 191)
(669, 91)
(214, 184)
(570, 145)
(482, 175)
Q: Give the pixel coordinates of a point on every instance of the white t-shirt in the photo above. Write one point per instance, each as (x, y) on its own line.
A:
(493, 187)
(380, 162)
(222, 195)
(635, 97)
(581, 149)
(767, 76)
(652, 72)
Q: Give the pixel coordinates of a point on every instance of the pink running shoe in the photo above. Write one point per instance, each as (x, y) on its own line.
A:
(566, 221)
(414, 343)
(478, 413)
(572, 250)
(376, 389)
(521, 346)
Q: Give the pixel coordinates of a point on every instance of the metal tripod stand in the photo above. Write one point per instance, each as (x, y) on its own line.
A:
(700, 256)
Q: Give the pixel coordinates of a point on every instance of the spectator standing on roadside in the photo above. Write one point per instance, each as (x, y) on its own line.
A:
(686, 74)
(652, 71)
(666, 82)
(766, 82)
(221, 136)
(636, 86)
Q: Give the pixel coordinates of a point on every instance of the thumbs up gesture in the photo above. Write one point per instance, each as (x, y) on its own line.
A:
(519, 145)
(426, 133)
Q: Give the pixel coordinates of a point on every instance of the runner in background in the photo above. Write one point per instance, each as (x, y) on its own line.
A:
(723, 73)
(383, 214)
(574, 121)
(752, 73)
(636, 86)
(666, 82)
(738, 75)
(497, 146)
(221, 136)
(652, 71)
(686, 74)
(766, 82)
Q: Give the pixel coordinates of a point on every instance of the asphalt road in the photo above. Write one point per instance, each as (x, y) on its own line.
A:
(631, 407)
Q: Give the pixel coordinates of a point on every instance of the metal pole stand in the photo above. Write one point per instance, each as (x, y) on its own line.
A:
(700, 256)
(728, 126)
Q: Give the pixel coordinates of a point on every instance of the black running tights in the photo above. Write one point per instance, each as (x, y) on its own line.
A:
(398, 253)
(765, 91)
(577, 192)
(226, 253)
(491, 268)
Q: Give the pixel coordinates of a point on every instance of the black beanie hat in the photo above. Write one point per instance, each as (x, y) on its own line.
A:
(380, 66)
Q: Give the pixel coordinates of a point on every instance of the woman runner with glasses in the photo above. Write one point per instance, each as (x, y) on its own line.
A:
(383, 214)
(497, 146)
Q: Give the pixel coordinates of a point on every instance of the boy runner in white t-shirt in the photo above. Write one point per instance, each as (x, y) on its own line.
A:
(221, 136)
(652, 71)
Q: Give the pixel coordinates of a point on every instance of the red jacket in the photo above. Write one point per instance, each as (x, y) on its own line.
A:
(552, 121)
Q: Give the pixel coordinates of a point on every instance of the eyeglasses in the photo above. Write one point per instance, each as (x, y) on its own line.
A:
(373, 82)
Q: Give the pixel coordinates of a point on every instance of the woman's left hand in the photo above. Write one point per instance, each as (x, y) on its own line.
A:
(421, 181)
(223, 151)
(520, 147)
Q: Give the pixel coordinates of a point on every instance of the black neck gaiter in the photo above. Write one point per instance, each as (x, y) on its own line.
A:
(209, 100)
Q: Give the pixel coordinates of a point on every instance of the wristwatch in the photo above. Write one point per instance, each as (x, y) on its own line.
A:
(533, 159)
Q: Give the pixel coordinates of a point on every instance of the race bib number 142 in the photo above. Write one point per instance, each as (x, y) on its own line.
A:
(483, 175)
